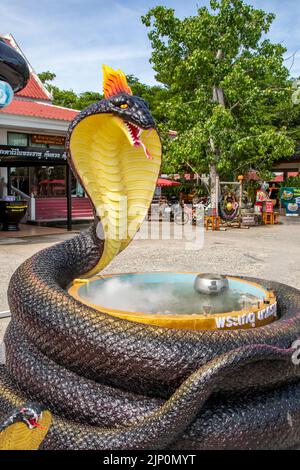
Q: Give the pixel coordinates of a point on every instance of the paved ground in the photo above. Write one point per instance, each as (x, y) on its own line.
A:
(27, 230)
(271, 252)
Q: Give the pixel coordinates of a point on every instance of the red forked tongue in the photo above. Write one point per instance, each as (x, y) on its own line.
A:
(135, 133)
(35, 424)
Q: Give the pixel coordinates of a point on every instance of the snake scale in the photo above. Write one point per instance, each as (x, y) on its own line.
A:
(116, 384)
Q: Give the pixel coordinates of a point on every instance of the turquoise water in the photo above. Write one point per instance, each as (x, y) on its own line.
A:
(167, 293)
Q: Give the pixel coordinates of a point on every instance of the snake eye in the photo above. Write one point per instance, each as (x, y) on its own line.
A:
(124, 106)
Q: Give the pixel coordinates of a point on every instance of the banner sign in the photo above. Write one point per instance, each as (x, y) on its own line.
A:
(48, 139)
(10, 154)
(269, 206)
(290, 200)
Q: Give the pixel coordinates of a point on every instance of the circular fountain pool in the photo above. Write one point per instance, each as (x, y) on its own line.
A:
(170, 300)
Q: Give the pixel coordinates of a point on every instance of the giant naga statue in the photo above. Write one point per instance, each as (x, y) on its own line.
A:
(112, 383)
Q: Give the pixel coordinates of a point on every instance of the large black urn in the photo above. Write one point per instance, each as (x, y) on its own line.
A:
(11, 213)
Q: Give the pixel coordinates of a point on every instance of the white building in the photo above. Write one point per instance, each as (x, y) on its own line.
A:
(32, 158)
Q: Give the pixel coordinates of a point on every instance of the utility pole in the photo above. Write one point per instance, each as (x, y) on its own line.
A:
(218, 97)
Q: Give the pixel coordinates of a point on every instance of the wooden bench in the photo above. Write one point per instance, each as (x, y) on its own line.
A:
(212, 221)
(268, 218)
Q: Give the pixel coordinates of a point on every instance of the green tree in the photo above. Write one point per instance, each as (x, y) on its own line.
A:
(86, 98)
(46, 77)
(225, 84)
(154, 95)
(288, 114)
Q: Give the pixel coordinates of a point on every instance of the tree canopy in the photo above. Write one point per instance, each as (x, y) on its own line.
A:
(222, 86)
(226, 87)
(68, 98)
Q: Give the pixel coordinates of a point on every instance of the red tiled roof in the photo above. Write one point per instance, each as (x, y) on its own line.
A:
(40, 110)
(34, 90)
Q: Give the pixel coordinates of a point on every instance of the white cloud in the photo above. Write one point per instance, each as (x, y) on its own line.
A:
(73, 38)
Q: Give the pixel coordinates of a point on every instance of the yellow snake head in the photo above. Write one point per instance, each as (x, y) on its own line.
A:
(25, 428)
(107, 145)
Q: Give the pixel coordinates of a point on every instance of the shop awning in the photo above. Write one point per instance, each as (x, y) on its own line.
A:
(164, 182)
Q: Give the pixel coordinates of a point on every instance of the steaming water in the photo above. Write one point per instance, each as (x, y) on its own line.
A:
(164, 298)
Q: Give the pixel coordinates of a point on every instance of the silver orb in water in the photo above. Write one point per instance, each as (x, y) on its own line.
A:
(211, 284)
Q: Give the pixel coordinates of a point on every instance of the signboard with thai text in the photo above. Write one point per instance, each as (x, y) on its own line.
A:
(48, 139)
(11, 154)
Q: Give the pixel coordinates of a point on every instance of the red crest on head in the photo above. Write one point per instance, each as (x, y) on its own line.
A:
(114, 82)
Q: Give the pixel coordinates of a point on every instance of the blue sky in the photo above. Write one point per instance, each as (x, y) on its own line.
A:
(74, 37)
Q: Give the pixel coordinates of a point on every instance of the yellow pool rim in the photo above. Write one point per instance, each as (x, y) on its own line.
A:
(262, 315)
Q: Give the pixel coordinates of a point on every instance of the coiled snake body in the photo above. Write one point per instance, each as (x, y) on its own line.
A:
(115, 384)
